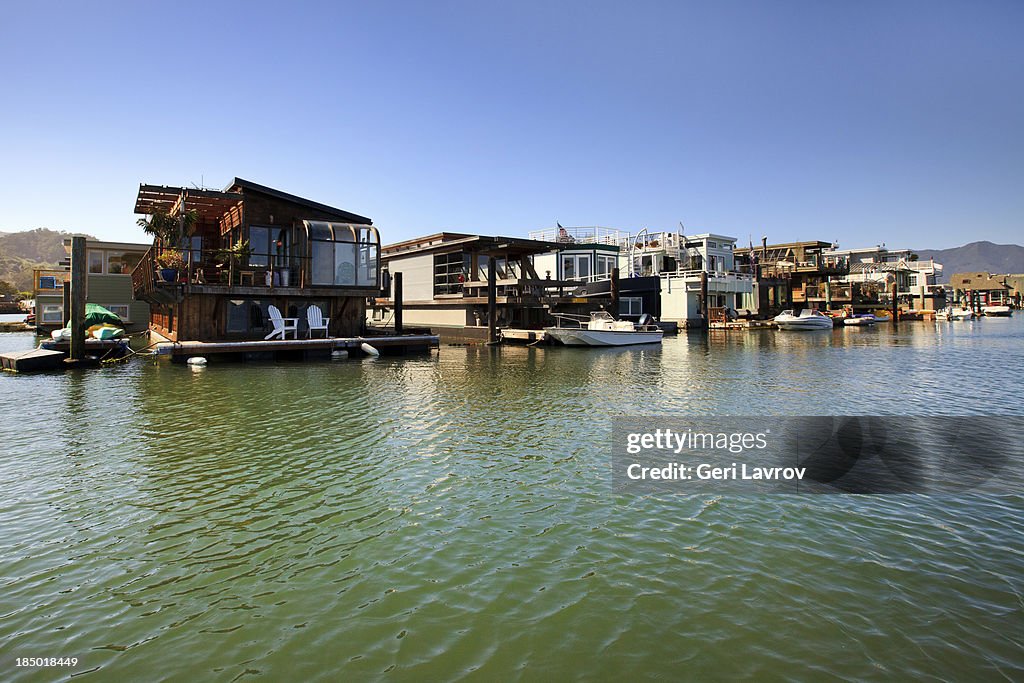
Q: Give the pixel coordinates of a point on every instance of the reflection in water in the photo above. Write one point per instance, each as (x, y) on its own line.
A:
(451, 515)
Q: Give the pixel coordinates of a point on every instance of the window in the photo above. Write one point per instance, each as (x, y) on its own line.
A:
(575, 266)
(342, 254)
(52, 314)
(246, 316)
(49, 282)
(450, 272)
(712, 245)
(605, 265)
(95, 258)
(122, 262)
(267, 242)
(631, 305)
(120, 310)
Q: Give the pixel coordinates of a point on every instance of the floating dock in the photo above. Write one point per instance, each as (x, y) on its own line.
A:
(35, 360)
(741, 325)
(393, 344)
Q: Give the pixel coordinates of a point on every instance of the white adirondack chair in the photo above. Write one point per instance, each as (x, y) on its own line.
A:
(317, 321)
(282, 326)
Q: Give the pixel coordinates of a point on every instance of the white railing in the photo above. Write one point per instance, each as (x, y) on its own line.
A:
(578, 235)
(695, 274)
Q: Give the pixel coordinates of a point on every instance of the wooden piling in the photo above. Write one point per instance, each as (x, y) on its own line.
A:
(78, 283)
(704, 296)
(828, 295)
(492, 300)
(397, 284)
(895, 313)
(615, 292)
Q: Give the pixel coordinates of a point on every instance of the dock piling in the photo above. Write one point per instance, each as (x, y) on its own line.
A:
(77, 317)
(397, 284)
(492, 300)
(895, 314)
(615, 292)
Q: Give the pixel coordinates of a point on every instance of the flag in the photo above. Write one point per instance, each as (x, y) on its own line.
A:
(559, 225)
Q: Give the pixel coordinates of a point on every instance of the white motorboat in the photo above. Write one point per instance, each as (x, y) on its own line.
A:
(808, 319)
(601, 329)
(1002, 311)
(955, 314)
(860, 319)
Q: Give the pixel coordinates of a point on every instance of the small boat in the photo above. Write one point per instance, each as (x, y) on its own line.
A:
(601, 329)
(1001, 311)
(808, 319)
(860, 319)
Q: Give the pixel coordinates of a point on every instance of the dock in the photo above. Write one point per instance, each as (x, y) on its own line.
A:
(741, 325)
(34, 360)
(511, 336)
(385, 344)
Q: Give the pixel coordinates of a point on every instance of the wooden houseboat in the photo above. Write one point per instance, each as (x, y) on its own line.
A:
(247, 250)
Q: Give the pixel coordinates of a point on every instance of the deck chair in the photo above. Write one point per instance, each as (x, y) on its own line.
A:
(282, 326)
(317, 321)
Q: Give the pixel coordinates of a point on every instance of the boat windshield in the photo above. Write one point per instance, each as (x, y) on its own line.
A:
(601, 315)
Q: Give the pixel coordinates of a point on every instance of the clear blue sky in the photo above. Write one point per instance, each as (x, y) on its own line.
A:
(861, 122)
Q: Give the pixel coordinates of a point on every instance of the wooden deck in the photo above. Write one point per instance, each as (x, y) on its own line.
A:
(403, 343)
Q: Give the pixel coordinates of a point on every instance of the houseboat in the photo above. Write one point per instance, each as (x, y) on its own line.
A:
(246, 251)
(108, 284)
(445, 283)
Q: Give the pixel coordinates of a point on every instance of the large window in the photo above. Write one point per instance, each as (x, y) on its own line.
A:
(576, 266)
(450, 272)
(268, 243)
(122, 262)
(343, 254)
(605, 265)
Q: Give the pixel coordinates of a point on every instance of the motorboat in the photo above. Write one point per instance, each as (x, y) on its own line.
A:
(601, 329)
(807, 319)
(1001, 311)
(950, 313)
(860, 319)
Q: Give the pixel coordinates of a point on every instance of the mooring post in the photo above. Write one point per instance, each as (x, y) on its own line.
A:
(78, 281)
(704, 296)
(397, 284)
(66, 313)
(615, 292)
(828, 295)
(492, 300)
(895, 314)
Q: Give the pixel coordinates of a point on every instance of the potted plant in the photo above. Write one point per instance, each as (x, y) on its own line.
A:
(170, 262)
(233, 256)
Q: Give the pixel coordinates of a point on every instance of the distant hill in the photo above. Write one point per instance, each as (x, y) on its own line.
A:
(21, 252)
(977, 256)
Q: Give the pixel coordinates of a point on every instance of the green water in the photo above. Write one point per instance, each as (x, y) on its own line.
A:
(450, 516)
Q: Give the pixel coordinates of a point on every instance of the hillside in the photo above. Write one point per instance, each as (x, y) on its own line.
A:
(21, 252)
(977, 256)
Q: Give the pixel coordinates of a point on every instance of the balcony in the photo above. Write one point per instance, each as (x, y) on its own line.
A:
(208, 272)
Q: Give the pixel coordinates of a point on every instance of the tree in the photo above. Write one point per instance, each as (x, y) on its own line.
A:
(170, 231)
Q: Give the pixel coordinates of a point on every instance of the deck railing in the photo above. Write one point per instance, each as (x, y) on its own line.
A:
(212, 267)
(143, 277)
